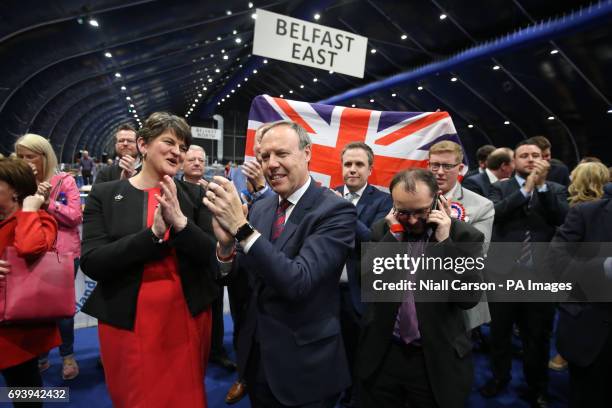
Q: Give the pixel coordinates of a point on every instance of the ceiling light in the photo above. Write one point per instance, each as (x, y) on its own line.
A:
(228, 12)
(193, 105)
(609, 110)
(234, 32)
(218, 38)
(331, 72)
(196, 100)
(393, 95)
(420, 88)
(131, 105)
(127, 98)
(254, 71)
(135, 115)
(223, 100)
(317, 16)
(238, 86)
(470, 126)
(301, 86)
(218, 103)
(217, 70)
(551, 118)
(314, 79)
(507, 122)
(371, 100)
(373, 51)
(232, 91)
(265, 61)
(250, 4)
(117, 75)
(238, 40)
(205, 89)
(553, 52)
(225, 57)
(93, 22)
(496, 67)
(353, 105)
(443, 16)
(282, 96)
(454, 79)
(108, 54)
(291, 91)
(123, 88)
(199, 95)
(404, 36)
(254, 16)
(246, 79)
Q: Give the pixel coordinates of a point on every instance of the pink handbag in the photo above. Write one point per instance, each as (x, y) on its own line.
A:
(38, 290)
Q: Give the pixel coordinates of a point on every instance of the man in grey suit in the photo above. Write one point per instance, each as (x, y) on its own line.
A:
(446, 162)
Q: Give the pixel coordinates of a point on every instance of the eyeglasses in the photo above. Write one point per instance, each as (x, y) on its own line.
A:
(405, 214)
(445, 166)
(128, 141)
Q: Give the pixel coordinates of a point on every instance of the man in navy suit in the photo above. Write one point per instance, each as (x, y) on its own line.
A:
(584, 332)
(528, 208)
(500, 166)
(372, 205)
(293, 248)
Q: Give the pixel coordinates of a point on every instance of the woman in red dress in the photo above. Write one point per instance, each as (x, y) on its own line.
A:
(32, 232)
(148, 242)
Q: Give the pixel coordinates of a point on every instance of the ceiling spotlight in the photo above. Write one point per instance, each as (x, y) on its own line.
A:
(238, 86)
(199, 95)
(218, 103)
(123, 88)
(353, 105)
(282, 96)
(135, 115)
(193, 105)
(301, 86)
(317, 16)
(393, 95)
(218, 38)
(254, 71)
(250, 4)
(454, 79)
(127, 98)
(551, 118)
(117, 75)
(238, 40)
(93, 22)
(331, 72)
(232, 91)
(404, 36)
(373, 51)
(443, 16)
(470, 126)
(225, 57)
(371, 100)
(131, 105)
(265, 61)
(196, 100)
(420, 88)
(507, 122)
(204, 89)
(108, 54)
(553, 52)
(209, 79)
(223, 100)
(291, 91)
(496, 67)
(254, 16)
(314, 79)
(217, 70)
(246, 79)
(228, 12)
(234, 32)
(609, 110)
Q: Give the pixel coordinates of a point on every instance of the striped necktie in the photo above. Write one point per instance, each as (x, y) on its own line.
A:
(279, 219)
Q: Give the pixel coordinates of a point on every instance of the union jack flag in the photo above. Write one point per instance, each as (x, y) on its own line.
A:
(399, 139)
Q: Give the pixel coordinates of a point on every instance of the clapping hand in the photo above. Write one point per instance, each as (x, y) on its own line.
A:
(33, 203)
(44, 189)
(223, 201)
(127, 163)
(4, 269)
(169, 207)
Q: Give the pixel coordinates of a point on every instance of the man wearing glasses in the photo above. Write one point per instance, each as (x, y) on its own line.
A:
(418, 354)
(125, 147)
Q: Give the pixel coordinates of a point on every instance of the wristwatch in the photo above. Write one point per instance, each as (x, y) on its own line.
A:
(244, 232)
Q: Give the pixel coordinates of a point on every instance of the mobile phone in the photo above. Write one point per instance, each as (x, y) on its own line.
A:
(434, 206)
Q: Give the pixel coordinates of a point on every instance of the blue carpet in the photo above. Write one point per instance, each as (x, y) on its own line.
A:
(89, 391)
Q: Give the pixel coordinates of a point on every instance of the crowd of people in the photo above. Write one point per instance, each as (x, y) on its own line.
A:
(161, 242)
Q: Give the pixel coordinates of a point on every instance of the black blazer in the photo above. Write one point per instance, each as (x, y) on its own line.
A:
(558, 173)
(583, 328)
(116, 245)
(446, 344)
(108, 173)
(478, 183)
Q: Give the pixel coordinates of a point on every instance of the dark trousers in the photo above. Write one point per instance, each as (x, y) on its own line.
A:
(261, 395)
(400, 382)
(535, 321)
(218, 330)
(24, 375)
(87, 179)
(349, 321)
(591, 386)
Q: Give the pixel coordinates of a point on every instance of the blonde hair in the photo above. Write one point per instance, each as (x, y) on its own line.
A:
(446, 146)
(587, 184)
(40, 145)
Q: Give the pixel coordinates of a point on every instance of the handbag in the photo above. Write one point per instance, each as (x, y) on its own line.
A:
(37, 290)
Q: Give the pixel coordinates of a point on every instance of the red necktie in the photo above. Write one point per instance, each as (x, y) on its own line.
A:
(279, 219)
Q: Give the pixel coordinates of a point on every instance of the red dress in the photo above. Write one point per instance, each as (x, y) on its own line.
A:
(30, 233)
(162, 361)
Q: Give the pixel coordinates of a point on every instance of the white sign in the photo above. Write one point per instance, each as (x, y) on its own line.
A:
(305, 43)
(205, 133)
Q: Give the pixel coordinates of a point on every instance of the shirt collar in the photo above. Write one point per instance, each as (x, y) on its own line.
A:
(451, 193)
(358, 192)
(519, 179)
(492, 177)
(297, 194)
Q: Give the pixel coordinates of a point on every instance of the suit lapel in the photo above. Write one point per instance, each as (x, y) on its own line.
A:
(365, 200)
(264, 221)
(302, 207)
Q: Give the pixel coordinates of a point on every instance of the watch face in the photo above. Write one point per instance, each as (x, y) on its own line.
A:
(243, 232)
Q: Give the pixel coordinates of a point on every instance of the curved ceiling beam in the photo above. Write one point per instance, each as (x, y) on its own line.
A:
(89, 121)
(534, 34)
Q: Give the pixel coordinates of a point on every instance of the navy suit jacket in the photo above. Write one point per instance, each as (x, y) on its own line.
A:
(294, 304)
(373, 205)
(583, 328)
(478, 183)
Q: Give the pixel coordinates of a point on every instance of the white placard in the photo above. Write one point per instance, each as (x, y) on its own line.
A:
(205, 133)
(305, 43)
